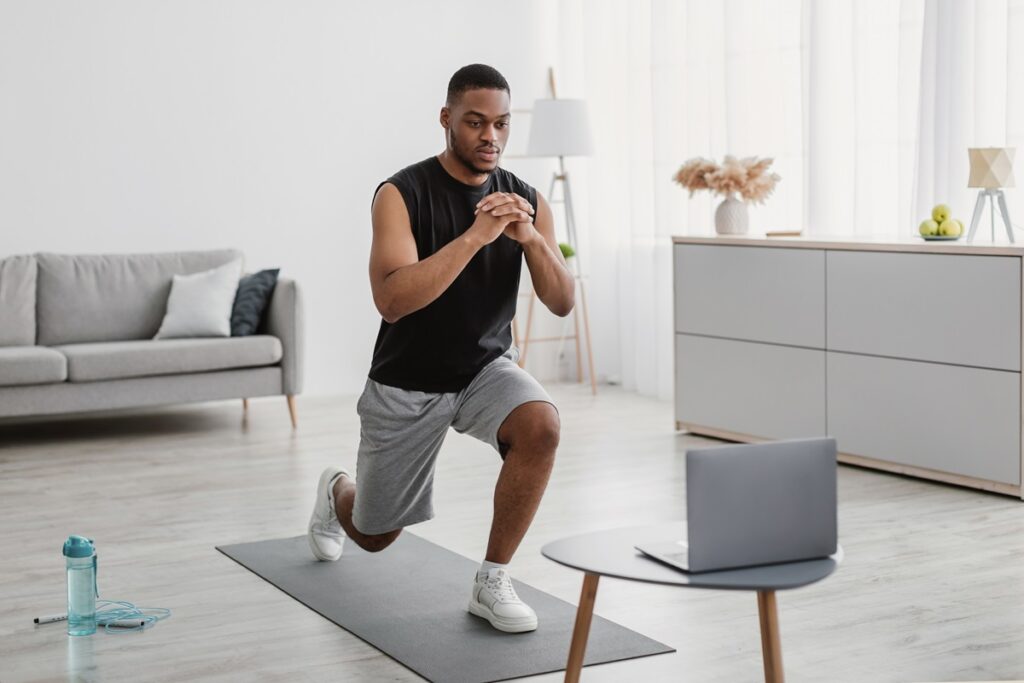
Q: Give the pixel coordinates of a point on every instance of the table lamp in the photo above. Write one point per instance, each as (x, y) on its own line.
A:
(991, 170)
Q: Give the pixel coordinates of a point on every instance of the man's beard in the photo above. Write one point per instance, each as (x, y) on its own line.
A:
(467, 162)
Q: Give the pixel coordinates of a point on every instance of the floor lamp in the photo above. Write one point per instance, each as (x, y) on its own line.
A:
(561, 128)
(991, 170)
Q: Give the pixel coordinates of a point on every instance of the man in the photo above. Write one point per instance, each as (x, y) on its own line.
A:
(449, 237)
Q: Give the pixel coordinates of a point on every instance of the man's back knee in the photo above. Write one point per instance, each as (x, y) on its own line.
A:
(377, 542)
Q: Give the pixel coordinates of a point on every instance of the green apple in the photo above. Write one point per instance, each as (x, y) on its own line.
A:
(950, 228)
(929, 227)
(940, 213)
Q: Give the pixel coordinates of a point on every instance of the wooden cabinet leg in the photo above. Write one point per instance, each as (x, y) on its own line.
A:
(292, 412)
(581, 631)
(771, 644)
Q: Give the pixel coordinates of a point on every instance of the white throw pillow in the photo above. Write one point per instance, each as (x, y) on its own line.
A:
(200, 304)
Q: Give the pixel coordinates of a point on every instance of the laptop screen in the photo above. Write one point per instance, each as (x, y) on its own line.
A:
(761, 503)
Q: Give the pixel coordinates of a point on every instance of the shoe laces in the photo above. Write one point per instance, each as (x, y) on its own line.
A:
(499, 583)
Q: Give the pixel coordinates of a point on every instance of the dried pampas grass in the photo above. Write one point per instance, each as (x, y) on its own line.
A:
(747, 177)
(693, 174)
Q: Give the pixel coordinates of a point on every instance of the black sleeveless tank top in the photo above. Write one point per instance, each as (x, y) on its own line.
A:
(441, 347)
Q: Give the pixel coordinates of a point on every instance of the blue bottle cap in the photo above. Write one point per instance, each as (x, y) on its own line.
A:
(78, 546)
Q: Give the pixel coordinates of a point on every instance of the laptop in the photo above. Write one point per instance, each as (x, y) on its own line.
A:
(755, 504)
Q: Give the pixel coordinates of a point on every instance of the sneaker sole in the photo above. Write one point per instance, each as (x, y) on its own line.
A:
(504, 625)
(322, 483)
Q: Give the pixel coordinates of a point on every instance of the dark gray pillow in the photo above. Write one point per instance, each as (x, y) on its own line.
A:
(251, 300)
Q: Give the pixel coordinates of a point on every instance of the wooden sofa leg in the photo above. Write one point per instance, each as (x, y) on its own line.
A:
(245, 405)
(291, 411)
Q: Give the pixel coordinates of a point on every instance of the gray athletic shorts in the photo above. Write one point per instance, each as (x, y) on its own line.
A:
(401, 433)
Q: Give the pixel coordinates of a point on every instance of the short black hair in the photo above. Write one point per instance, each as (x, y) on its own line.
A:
(472, 77)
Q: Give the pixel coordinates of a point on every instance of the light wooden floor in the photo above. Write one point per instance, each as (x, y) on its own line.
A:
(932, 588)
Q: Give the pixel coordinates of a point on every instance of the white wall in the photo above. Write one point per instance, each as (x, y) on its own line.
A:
(136, 126)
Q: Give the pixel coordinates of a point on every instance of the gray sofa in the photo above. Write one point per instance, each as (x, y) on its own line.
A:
(76, 334)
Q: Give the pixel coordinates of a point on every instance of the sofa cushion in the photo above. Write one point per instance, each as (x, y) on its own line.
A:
(18, 301)
(31, 365)
(93, 298)
(141, 358)
(200, 304)
(251, 301)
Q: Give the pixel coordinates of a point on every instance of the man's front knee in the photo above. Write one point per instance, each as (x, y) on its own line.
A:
(548, 435)
(540, 434)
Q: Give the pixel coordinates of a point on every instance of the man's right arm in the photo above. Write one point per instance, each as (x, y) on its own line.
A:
(401, 283)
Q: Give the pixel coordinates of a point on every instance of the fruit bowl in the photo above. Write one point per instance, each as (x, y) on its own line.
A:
(941, 226)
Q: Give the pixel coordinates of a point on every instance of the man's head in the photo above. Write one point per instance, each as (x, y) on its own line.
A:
(476, 117)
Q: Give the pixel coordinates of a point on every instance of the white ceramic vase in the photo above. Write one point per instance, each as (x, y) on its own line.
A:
(731, 217)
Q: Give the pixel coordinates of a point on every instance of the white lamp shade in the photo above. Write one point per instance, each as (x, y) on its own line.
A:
(991, 167)
(560, 128)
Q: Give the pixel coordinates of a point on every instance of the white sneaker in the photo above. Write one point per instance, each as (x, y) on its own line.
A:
(495, 600)
(326, 537)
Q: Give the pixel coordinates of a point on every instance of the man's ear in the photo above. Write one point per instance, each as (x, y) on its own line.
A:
(446, 117)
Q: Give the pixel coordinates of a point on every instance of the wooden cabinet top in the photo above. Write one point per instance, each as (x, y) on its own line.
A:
(981, 247)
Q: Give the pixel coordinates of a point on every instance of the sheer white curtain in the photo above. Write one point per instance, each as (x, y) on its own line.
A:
(867, 107)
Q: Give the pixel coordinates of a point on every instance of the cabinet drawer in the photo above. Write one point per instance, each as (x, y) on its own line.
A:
(937, 307)
(943, 417)
(759, 293)
(750, 388)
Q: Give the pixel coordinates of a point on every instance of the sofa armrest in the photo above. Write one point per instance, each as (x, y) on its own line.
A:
(285, 321)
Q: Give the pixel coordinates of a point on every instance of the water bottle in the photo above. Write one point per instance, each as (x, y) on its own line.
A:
(80, 555)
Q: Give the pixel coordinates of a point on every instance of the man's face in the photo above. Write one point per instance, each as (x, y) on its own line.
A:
(477, 127)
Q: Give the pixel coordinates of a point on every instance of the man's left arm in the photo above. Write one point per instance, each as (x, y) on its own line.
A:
(554, 284)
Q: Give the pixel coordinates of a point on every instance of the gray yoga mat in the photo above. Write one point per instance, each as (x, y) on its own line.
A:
(410, 603)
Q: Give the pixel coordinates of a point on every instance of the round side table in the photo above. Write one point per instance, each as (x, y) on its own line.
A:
(611, 553)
